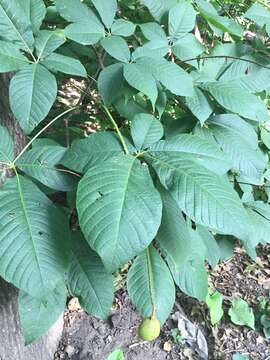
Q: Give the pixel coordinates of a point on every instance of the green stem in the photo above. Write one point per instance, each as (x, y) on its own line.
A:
(40, 132)
(116, 128)
(151, 283)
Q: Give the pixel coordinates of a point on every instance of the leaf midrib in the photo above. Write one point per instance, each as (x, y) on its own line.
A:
(115, 243)
(199, 185)
(29, 227)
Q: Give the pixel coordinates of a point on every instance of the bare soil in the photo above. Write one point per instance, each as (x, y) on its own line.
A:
(87, 338)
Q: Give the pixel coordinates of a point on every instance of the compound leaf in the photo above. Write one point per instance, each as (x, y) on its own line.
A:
(34, 238)
(14, 25)
(36, 316)
(107, 10)
(146, 130)
(150, 285)
(89, 280)
(65, 64)
(11, 59)
(181, 19)
(40, 163)
(117, 218)
(92, 151)
(32, 93)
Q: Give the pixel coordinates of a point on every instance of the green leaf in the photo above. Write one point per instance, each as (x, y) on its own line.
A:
(199, 105)
(241, 314)
(212, 254)
(146, 130)
(259, 214)
(259, 15)
(14, 25)
(181, 19)
(116, 47)
(154, 48)
(214, 302)
(153, 31)
(35, 11)
(110, 83)
(226, 246)
(265, 137)
(40, 163)
(194, 148)
(34, 238)
(94, 150)
(239, 141)
(116, 355)
(85, 33)
(32, 93)
(36, 316)
(128, 109)
(250, 77)
(138, 77)
(11, 59)
(187, 47)
(150, 285)
(222, 23)
(190, 184)
(37, 14)
(158, 7)
(112, 209)
(107, 10)
(173, 237)
(122, 27)
(76, 11)
(47, 41)
(161, 101)
(240, 357)
(237, 100)
(192, 278)
(172, 76)
(6, 145)
(64, 64)
(88, 279)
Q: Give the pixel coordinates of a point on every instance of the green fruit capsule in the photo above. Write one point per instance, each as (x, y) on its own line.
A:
(149, 329)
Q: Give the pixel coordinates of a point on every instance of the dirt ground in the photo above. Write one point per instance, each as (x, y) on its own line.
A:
(87, 338)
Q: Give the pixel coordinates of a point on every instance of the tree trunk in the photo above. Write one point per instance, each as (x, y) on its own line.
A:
(11, 338)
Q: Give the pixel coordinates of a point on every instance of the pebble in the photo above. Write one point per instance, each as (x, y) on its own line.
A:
(70, 350)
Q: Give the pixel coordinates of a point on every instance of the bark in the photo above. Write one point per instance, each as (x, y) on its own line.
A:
(11, 338)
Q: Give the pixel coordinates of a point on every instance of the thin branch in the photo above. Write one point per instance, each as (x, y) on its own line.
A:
(246, 183)
(99, 58)
(116, 128)
(226, 57)
(40, 132)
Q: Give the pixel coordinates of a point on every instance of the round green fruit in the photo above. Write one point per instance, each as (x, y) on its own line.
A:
(149, 329)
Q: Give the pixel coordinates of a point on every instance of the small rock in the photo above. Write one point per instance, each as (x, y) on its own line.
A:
(167, 346)
(70, 350)
(102, 329)
(108, 339)
(74, 304)
(115, 319)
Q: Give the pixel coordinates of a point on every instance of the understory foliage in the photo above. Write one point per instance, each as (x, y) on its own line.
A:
(178, 172)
